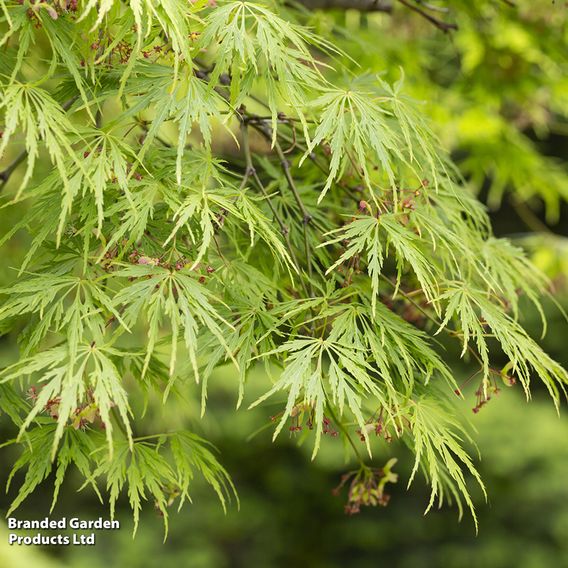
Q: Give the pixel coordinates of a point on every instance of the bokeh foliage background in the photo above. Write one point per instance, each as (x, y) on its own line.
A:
(496, 90)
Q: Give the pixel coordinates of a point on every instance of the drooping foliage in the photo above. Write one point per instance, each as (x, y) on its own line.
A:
(212, 184)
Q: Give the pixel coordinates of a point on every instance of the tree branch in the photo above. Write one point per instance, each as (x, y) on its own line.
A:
(440, 24)
(418, 6)
(306, 217)
(360, 5)
(9, 170)
(6, 173)
(251, 172)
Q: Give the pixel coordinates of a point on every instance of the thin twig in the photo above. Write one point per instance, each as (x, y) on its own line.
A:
(6, 173)
(251, 172)
(431, 7)
(144, 126)
(347, 436)
(306, 216)
(528, 216)
(441, 25)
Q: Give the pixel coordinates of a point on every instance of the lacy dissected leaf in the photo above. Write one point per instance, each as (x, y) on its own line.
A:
(351, 124)
(149, 471)
(63, 303)
(161, 294)
(144, 472)
(70, 378)
(373, 237)
(192, 453)
(174, 17)
(76, 449)
(479, 316)
(32, 111)
(252, 41)
(438, 442)
(321, 371)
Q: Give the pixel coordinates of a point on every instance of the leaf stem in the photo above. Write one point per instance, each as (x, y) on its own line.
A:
(251, 172)
(347, 436)
(306, 216)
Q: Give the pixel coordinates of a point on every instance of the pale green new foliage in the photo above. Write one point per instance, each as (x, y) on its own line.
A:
(145, 471)
(254, 42)
(34, 112)
(352, 123)
(176, 296)
(211, 185)
(67, 372)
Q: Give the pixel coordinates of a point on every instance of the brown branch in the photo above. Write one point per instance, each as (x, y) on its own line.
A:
(251, 172)
(360, 5)
(9, 170)
(306, 216)
(432, 7)
(440, 24)
(6, 173)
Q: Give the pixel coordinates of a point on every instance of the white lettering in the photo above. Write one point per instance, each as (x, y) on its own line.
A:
(98, 524)
(84, 539)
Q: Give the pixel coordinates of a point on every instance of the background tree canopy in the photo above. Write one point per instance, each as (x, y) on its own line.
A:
(347, 217)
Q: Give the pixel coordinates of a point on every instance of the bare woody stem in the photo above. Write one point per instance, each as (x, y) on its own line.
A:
(306, 217)
(421, 7)
(440, 24)
(251, 172)
(5, 174)
(360, 5)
